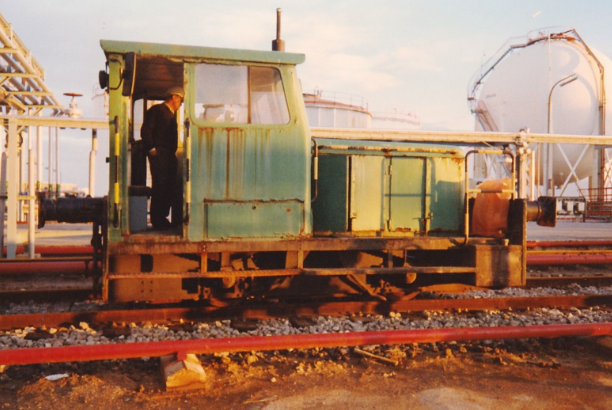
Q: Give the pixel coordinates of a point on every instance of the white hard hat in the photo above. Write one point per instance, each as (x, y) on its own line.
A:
(176, 91)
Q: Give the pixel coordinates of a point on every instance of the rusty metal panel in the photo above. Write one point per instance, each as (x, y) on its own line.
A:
(447, 193)
(407, 190)
(247, 163)
(499, 266)
(261, 172)
(159, 289)
(426, 194)
(309, 244)
(393, 188)
(330, 209)
(367, 193)
(253, 219)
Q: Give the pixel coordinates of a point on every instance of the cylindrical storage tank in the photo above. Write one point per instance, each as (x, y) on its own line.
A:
(551, 71)
(336, 111)
(395, 120)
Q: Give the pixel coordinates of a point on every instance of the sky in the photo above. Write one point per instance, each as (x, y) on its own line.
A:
(410, 55)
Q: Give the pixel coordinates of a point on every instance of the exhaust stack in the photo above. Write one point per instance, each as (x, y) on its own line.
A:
(278, 44)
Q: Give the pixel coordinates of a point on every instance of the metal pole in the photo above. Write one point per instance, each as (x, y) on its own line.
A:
(549, 170)
(2, 188)
(31, 196)
(13, 180)
(50, 163)
(278, 44)
(20, 177)
(539, 169)
(550, 188)
(522, 152)
(92, 162)
(534, 180)
(548, 162)
(39, 160)
(521, 168)
(57, 163)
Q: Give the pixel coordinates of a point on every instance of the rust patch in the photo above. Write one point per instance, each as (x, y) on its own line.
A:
(205, 156)
(227, 162)
(405, 230)
(459, 160)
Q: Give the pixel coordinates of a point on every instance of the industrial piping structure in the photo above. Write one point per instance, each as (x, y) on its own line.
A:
(23, 97)
(552, 82)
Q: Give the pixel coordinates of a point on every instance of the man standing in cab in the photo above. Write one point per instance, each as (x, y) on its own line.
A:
(159, 134)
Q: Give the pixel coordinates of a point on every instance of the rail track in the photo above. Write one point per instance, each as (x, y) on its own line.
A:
(274, 309)
(64, 273)
(179, 349)
(112, 321)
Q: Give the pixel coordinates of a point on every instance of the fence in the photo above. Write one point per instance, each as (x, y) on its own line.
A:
(598, 203)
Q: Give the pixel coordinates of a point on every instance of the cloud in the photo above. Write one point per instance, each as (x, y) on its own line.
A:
(342, 57)
(345, 72)
(412, 59)
(316, 32)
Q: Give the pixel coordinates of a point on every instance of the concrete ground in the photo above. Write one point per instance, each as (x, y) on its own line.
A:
(56, 234)
(566, 230)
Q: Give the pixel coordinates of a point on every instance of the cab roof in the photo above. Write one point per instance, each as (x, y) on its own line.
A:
(195, 52)
(160, 66)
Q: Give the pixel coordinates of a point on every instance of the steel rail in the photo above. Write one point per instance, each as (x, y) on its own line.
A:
(564, 281)
(561, 258)
(569, 251)
(54, 250)
(72, 267)
(305, 341)
(67, 291)
(279, 309)
(568, 243)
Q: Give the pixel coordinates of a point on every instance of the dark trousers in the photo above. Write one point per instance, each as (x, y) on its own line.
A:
(163, 172)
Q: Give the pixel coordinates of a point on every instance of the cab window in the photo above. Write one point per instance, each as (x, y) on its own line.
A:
(240, 94)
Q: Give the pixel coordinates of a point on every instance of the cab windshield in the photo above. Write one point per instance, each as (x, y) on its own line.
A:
(240, 94)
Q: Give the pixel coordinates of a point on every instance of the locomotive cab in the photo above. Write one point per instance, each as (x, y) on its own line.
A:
(243, 148)
(243, 162)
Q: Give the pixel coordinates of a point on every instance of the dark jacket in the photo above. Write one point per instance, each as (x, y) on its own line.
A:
(159, 129)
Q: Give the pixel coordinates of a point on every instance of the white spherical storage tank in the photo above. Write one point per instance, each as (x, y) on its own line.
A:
(548, 82)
